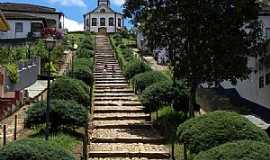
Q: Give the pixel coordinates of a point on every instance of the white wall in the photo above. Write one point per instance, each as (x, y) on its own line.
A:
(11, 34)
(249, 89)
(110, 29)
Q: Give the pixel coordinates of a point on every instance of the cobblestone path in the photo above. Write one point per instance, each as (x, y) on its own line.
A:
(120, 130)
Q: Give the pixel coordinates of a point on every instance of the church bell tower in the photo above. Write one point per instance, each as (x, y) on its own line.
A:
(104, 2)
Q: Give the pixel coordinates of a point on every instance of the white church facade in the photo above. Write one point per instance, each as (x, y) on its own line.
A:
(103, 19)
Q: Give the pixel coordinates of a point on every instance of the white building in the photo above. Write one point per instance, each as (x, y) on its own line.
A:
(103, 19)
(25, 19)
(257, 88)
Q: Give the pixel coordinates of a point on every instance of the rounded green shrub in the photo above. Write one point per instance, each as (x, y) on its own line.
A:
(71, 89)
(33, 149)
(216, 128)
(135, 67)
(163, 93)
(143, 80)
(67, 113)
(240, 150)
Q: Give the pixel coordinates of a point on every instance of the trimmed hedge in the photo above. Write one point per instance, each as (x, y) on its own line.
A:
(66, 88)
(216, 128)
(33, 149)
(163, 93)
(240, 150)
(168, 121)
(135, 67)
(67, 113)
(83, 70)
(143, 80)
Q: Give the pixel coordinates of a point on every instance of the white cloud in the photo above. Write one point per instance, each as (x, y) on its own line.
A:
(73, 25)
(118, 2)
(79, 3)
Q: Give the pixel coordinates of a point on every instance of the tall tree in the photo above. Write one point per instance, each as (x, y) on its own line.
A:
(208, 40)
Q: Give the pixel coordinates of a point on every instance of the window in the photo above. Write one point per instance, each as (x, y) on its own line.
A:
(102, 22)
(119, 22)
(267, 33)
(19, 27)
(87, 22)
(102, 11)
(261, 82)
(51, 23)
(94, 22)
(267, 79)
(111, 23)
(36, 27)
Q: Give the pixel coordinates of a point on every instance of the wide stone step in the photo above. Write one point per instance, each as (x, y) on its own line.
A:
(121, 116)
(118, 109)
(111, 81)
(152, 151)
(112, 86)
(124, 90)
(134, 99)
(121, 124)
(117, 103)
(114, 94)
(125, 136)
(124, 158)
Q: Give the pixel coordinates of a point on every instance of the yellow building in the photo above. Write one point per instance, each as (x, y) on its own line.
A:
(4, 26)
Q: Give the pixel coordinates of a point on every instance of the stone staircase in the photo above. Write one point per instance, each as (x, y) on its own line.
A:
(119, 129)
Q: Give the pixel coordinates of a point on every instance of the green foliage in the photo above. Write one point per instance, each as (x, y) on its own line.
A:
(63, 113)
(216, 128)
(66, 88)
(40, 50)
(135, 67)
(13, 73)
(168, 121)
(33, 149)
(163, 93)
(86, 47)
(83, 68)
(143, 80)
(240, 150)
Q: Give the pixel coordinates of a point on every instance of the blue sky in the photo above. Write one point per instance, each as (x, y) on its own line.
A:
(73, 9)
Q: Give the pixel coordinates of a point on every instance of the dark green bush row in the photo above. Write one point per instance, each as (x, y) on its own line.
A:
(63, 113)
(144, 80)
(33, 149)
(162, 94)
(240, 150)
(71, 89)
(135, 67)
(216, 128)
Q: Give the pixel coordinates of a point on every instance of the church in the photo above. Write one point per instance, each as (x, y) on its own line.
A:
(103, 19)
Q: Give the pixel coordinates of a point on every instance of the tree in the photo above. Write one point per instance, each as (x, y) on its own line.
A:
(208, 41)
(239, 150)
(216, 128)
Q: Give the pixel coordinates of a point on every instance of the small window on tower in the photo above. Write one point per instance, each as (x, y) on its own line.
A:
(102, 11)
(261, 82)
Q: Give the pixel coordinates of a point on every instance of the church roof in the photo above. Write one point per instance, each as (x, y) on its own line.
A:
(102, 6)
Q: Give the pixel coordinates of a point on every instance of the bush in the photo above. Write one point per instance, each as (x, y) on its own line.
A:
(216, 128)
(67, 113)
(135, 67)
(143, 80)
(163, 93)
(33, 149)
(83, 70)
(240, 150)
(168, 121)
(13, 73)
(71, 89)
